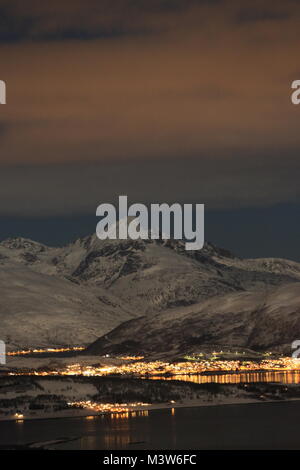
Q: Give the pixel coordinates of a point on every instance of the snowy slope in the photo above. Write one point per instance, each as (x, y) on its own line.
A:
(41, 310)
(259, 320)
(73, 294)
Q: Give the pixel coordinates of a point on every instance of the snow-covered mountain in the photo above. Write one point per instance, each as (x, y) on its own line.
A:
(41, 310)
(73, 294)
(260, 320)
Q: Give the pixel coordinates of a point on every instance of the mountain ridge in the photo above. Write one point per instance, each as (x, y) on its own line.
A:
(259, 321)
(117, 280)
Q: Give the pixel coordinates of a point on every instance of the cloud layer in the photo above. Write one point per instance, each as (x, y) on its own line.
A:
(195, 94)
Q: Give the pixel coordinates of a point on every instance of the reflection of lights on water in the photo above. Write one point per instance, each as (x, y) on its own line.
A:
(116, 440)
(285, 377)
(173, 411)
(19, 417)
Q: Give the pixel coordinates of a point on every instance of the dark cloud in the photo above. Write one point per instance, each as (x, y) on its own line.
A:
(43, 190)
(82, 20)
(89, 19)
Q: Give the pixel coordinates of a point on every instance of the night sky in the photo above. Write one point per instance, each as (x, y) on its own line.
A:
(162, 100)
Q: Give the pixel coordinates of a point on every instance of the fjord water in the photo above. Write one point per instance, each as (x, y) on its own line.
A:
(248, 426)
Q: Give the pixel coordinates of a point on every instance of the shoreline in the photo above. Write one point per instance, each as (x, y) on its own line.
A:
(80, 413)
(163, 376)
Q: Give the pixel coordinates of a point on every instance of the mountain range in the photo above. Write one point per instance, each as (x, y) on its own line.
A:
(72, 295)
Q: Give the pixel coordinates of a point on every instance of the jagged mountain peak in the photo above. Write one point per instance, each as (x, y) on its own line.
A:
(20, 243)
(134, 277)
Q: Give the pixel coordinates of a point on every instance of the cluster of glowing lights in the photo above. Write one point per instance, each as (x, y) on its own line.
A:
(131, 358)
(41, 351)
(19, 416)
(159, 368)
(107, 407)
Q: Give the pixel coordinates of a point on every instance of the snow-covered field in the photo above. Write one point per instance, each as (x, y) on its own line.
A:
(34, 398)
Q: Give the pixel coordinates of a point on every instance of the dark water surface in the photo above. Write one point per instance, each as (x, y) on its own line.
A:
(251, 426)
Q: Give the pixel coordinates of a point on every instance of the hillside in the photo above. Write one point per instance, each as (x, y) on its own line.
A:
(74, 294)
(258, 320)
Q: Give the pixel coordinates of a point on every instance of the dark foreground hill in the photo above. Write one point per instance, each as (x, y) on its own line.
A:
(261, 320)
